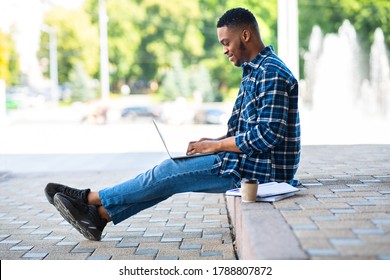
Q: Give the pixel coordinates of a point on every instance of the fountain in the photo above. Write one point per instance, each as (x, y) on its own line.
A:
(335, 80)
(380, 73)
(339, 103)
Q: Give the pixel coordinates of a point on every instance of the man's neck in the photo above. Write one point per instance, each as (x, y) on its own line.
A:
(256, 50)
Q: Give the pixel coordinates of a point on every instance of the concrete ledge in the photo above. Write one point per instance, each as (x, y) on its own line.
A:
(261, 232)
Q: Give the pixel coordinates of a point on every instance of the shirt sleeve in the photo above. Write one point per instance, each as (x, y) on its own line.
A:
(272, 115)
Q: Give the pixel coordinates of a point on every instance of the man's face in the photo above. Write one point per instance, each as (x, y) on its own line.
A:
(233, 45)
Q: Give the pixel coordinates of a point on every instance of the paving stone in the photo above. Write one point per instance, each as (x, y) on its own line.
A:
(179, 254)
(10, 241)
(11, 255)
(381, 221)
(37, 256)
(364, 203)
(21, 248)
(340, 213)
(127, 245)
(345, 241)
(342, 190)
(304, 227)
(326, 196)
(3, 236)
(211, 254)
(174, 239)
(368, 231)
(111, 239)
(167, 258)
(325, 218)
(371, 181)
(100, 258)
(306, 202)
(190, 246)
(67, 243)
(314, 252)
(83, 250)
(153, 234)
(146, 252)
(136, 229)
(319, 242)
(68, 256)
(308, 185)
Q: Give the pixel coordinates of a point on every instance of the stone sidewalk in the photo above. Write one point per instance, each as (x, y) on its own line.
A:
(186, 226)
(342, 211)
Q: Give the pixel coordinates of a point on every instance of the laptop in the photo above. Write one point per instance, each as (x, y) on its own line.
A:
(178, 156)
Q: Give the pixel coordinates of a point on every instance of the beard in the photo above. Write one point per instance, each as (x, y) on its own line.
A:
(242, 49)
(242, 46)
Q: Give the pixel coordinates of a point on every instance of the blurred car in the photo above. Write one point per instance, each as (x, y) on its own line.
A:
(136, 112)
(23, 97)
(211, 116)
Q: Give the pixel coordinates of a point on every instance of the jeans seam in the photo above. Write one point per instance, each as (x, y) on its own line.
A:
(180, 175)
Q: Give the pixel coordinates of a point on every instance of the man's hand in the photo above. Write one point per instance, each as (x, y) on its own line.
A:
(203, 146)
(209, 145)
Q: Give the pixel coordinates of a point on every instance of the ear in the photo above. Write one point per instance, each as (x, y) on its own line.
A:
(246, 34)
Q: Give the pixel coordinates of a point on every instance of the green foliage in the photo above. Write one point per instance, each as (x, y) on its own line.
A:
(124, 37)
(81, 85)
(175, 42)
(364, 15)
(9, 60)
(175, 82)
(192, 82)
(202, 86)
(77, 41)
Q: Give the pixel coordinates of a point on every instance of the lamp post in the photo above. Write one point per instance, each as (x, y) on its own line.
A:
(288, 34)
(104, 74)
(53, 62)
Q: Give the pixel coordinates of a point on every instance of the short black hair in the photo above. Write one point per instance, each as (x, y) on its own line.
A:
(237, 17)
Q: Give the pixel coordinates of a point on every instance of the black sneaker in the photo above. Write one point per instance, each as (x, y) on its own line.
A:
(53, 188)
(85, 218)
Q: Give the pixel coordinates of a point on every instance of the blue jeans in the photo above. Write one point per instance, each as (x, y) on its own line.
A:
(159, 183)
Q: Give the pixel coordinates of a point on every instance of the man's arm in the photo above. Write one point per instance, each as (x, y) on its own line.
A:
(207, 145)
(272, 118)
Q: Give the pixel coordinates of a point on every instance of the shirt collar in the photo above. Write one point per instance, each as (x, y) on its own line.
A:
(257, 61)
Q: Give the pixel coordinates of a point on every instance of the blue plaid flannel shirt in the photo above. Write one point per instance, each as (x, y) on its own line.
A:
(265, 121)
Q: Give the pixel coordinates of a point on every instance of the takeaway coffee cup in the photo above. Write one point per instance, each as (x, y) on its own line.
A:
(249, 190)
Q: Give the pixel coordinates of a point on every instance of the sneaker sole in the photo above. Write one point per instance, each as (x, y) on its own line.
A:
(63, 207)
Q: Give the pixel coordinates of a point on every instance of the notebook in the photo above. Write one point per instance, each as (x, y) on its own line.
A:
(269, 192)
(176, 156)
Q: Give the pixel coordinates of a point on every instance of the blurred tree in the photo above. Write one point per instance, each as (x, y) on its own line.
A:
(170, 27)
(80, 84)
(364, 15)
(9, 60)
(143, 35)
(202, 86)
(175, 82)
(124, 37)
(77, 41)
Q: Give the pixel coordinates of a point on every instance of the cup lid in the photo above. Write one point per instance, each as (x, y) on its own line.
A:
(249, 180)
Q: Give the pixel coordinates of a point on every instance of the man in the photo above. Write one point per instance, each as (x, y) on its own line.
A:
(262, 141)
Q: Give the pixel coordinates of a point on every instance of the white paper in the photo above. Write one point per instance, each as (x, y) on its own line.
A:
(269, 191)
